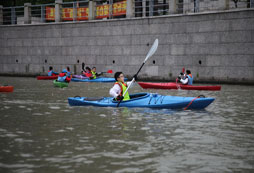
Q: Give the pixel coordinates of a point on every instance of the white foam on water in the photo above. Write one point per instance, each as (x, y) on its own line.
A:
(70, 128)
(54, 107)
(37, 114)
(59, 131)
(102, 115)
(26, 155)
(145, 128)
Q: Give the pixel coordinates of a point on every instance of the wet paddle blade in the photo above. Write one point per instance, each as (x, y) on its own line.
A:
(110, 71)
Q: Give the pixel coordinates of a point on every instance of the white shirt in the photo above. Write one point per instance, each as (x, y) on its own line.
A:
(184, 81)
(116, 90)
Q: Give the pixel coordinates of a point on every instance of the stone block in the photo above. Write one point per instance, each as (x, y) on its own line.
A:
(152, 71)
(177, 49)
(193, 27)
(242, 24)
(101, 60)
(236, 37)
(169, 60)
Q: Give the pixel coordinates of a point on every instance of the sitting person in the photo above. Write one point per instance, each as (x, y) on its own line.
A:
(68, 71)
(51, 72)
(120, 87)
(87, 72)
(94, 73)
(62, 77)
(187, 79)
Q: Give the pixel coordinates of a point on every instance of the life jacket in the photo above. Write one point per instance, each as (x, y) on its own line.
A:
(123, 87)
(190, 79)
(93, 74)
(88, 74)
(50, 72)
(68, 73)
(61, 77)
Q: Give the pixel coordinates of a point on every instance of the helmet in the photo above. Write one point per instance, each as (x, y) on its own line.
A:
(64, 71)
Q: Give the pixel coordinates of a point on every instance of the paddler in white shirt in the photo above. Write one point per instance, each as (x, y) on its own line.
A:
(120, 87)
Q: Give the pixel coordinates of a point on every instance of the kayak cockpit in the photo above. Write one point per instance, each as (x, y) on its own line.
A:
(134, 97)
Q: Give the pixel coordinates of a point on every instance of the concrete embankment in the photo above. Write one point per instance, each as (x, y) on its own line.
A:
(216, 47)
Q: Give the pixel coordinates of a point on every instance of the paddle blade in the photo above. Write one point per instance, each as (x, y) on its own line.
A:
(83, 66)
(110, 71)
(152, 50)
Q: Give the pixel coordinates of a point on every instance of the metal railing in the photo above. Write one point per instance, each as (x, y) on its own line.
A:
(111, 9)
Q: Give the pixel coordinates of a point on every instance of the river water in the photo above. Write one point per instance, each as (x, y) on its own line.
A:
(40, 132)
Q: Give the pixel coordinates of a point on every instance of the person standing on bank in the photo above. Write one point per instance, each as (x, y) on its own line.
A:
(187, 79)
(120, 87)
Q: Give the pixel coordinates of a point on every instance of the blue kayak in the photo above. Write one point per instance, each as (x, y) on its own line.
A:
(147, 100)
(98, 79)
(101, 79)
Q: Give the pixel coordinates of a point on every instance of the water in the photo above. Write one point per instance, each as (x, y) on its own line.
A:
(40, 132)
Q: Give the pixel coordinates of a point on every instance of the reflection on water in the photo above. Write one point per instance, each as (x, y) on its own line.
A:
(40, 132)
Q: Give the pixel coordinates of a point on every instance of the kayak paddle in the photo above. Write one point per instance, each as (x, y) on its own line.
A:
(109, 71)
(149, 54)
(83, 66)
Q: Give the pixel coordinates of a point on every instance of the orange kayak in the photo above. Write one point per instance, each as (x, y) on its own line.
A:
(6, 88)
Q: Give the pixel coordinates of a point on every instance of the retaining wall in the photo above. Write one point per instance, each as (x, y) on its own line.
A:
(216, 47)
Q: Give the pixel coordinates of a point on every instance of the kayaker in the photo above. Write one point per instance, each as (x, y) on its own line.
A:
(51, 72)
(120, 87)
(87, 72)
(68, 71)
(187, 79)
(62, 77)
(94, 73)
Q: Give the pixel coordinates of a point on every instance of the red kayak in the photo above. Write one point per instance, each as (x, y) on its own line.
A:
(46, 77)
(172, 85)
(6, 88)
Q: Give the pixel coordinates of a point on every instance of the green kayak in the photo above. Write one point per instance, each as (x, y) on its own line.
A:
(60, 84)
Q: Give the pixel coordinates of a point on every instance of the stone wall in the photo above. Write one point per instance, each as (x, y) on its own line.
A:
(216, 47)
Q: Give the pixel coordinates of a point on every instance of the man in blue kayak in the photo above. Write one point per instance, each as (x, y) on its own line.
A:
(187, 79)
(120, 87)
(51, 72)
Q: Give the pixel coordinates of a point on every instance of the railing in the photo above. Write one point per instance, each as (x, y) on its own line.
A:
(111, 9)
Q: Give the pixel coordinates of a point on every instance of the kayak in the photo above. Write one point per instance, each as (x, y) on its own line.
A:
(101, 79)
(80, 76)
(144, 100)
(60, 84)
(6, 88)
(46, 77)
(172, 85)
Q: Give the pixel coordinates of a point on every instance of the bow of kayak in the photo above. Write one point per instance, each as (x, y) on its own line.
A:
(60, 84)
(46, 77)
(171, 85)
(145, 100)
(6, 88)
